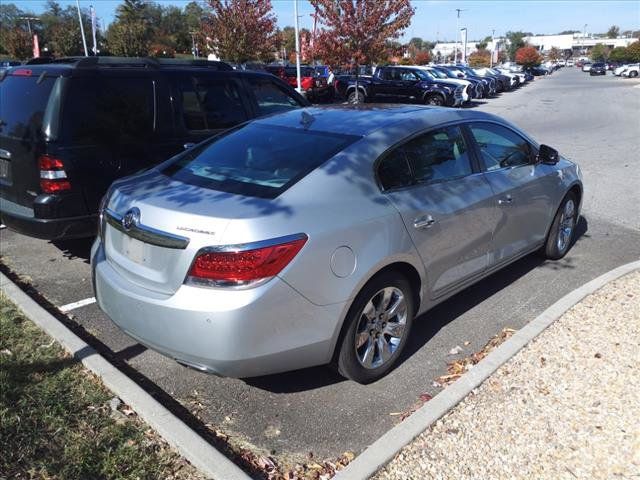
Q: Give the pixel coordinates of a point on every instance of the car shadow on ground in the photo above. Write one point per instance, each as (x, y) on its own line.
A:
(427, 325)
(75, 248)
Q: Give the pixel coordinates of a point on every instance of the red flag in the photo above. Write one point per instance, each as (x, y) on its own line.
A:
(36, 46)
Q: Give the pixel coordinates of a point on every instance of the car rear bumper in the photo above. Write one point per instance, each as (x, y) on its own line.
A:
(234, 333)
(22, 220)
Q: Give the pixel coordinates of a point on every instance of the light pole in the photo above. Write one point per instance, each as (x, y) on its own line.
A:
(455, 51)
(493, 47)
(464, 45)
(28, 19)
(295, 13)
(84, 40)
(584, 39)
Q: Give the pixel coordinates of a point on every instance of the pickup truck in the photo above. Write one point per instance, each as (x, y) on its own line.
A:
(400, 84)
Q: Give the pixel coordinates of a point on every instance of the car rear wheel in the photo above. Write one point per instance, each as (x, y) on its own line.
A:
(435, 100)
(355, 98)
(633, 73)
(377, 327)
(562, 229)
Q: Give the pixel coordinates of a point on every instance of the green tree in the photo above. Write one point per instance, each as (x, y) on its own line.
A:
(515, 42)
(130, 34)
(483, 44)
(618, 54)
(633, 52)
(599, 52)
(17, 43)
(613, 32)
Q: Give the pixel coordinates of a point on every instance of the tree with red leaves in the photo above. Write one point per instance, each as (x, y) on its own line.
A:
(241, 30)
(422, 57)
(528, 56)
(354, 32)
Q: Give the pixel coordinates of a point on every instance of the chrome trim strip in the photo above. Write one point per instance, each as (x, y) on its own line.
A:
(242, 247)
(147, 234)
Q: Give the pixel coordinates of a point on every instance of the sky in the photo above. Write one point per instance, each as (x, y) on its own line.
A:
(436, 19)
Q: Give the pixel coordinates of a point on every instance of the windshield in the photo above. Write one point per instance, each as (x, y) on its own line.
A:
(437, 73)
(422, 75)
(257, 160)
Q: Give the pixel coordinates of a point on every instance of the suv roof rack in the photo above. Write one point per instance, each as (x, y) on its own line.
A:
(140, 62)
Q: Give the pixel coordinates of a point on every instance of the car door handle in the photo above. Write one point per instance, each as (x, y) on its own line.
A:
(506, 200)
(423, 222)
(188, 145)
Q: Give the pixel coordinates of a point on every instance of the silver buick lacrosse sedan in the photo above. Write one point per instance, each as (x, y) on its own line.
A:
(316, 236)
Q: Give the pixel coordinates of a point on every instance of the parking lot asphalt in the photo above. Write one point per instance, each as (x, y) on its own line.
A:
(592, 120)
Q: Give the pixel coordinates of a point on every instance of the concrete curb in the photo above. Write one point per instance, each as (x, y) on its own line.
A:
(388, 445)
(193, 447)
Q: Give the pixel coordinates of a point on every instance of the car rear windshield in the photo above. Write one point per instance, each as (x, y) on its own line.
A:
(23, 101)
(257, 160)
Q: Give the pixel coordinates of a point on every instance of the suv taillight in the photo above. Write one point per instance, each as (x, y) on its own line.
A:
(216, 267)
(53, 178)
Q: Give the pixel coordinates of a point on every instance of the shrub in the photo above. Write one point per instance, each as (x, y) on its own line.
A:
(480, 58)
(528, 57)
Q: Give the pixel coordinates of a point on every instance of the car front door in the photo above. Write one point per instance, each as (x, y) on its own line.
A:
(522, 189)
(445, 202)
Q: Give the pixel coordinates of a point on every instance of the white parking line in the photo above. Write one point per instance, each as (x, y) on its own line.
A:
(80, 303)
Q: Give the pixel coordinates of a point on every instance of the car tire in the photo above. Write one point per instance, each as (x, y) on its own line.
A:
(434, 100)
(353, 98)
(633, 74)
(370, 347)
(560, 236)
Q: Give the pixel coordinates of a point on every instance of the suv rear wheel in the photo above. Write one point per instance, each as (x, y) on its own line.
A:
(355, 98)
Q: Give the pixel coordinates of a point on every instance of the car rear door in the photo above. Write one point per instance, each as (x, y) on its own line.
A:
(445, 202)
(522, 188)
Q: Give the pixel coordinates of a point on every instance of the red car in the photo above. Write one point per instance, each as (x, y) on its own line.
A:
(314, 87)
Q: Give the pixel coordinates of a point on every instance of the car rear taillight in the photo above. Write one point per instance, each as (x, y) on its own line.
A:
(244, 266)
(53, 178)
(22, 72)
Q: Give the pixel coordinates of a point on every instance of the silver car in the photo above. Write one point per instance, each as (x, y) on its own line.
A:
(316, 236)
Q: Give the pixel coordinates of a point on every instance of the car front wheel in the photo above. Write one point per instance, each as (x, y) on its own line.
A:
(562, 229)
(354, 97)
(377, 327)
(435, 100)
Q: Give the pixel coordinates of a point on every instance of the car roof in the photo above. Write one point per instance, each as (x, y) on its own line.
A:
(364, 119)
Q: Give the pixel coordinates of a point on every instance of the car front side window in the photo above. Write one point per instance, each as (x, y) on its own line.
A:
(500, 147)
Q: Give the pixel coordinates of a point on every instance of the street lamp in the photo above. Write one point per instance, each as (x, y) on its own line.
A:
(493, 47)
(455, 51)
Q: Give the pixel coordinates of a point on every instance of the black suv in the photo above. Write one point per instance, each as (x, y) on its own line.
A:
(69, 128)
(599, 68)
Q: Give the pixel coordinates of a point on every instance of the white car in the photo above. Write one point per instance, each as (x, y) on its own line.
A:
(632, 71)
(618, 71)
(570, 63)
(586, 67)
(442, 78)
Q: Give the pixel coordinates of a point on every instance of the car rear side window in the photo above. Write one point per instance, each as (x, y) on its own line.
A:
(500, 147)
(23, 102)
(257, 160)
(435, 156)
(271, 98)
(210, 103)
(109, 110)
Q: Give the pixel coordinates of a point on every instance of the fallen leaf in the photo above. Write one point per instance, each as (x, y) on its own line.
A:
(455, 350)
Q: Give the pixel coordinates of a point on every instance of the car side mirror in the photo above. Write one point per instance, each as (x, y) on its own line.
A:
(460, 75)
(548, 155)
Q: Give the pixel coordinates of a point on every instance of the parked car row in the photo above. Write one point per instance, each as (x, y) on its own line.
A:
(441, 85)
(631, 70)
(308, 236)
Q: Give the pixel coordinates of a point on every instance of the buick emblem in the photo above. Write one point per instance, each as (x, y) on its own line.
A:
(131, 219)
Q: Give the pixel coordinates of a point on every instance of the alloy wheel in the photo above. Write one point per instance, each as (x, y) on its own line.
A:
(566, 225)
(381, 327)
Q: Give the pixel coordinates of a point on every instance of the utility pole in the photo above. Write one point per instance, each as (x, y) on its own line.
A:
(295, 13)
(28, 19)
(455, 51)
(84, 40)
